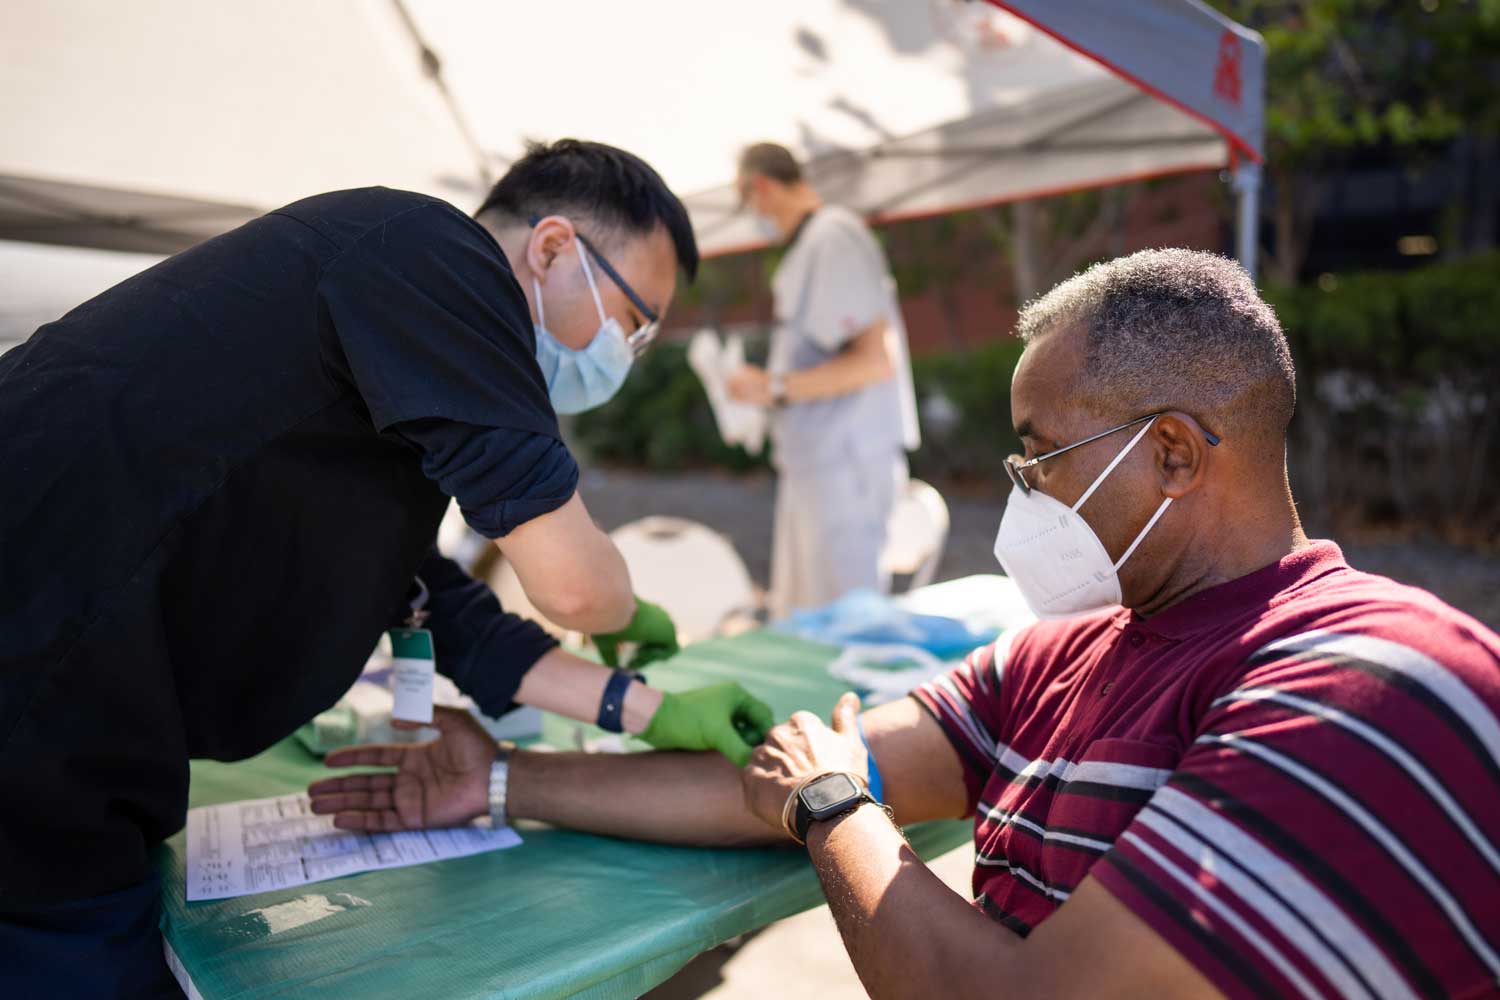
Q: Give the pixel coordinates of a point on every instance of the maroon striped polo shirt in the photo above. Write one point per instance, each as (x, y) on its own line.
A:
(1293, 777)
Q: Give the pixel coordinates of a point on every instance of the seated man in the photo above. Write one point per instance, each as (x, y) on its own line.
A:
(1267, 774)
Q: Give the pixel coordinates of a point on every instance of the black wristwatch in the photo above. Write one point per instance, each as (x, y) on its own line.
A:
(824, 797)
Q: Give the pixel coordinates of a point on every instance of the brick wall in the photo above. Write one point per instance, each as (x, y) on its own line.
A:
(958, 287)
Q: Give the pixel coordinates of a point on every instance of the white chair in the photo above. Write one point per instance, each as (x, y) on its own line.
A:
(459, 542)
(916, 534)
(689, 569)
(686, 567)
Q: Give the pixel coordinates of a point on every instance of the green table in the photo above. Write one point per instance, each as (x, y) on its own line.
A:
(565, 914)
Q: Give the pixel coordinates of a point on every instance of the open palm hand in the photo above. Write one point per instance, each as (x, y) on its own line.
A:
(441, 783)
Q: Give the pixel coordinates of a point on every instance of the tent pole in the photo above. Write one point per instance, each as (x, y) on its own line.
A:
(1247, 229)
(432, 67)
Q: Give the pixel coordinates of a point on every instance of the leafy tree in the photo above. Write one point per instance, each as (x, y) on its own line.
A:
(1346, 74)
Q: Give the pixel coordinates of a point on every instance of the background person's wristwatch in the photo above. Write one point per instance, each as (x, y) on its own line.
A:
(778, 389)
(825, 797)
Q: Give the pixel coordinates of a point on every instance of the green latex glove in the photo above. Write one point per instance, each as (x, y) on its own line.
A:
(724, 717)
(652, 631)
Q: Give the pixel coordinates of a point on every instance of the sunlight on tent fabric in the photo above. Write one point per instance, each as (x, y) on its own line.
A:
(151, 126)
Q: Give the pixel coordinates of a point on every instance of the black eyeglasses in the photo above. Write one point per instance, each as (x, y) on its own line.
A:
(641, 337)
(1013, 468)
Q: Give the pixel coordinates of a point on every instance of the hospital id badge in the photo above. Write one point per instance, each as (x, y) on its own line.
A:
(413, 665)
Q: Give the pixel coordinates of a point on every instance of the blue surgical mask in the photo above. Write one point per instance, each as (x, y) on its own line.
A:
(579, 380)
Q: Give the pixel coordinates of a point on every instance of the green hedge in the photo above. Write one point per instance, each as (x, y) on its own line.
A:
(1441, 321)
(1398, 409)
(661, 418)
(977, 384)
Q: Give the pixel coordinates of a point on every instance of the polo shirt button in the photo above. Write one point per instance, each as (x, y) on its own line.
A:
(1136, 639)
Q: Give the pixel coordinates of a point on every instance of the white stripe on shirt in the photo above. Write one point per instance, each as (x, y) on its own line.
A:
(1240, 925)
(1302, 895)
(964, 716)
(999, 654)
(989, 861)
(1413, 767)
(1376, 829)
(1012, 818)
(1295, 908)
(1404, 660)
(1099, 772)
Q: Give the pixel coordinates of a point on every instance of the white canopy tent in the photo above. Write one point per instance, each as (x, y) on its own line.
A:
(905, 108)
(148, 126)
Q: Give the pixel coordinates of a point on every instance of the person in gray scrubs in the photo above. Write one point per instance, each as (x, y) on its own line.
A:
(839, 382)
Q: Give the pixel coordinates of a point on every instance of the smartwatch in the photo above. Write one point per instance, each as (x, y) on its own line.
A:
(825, 797)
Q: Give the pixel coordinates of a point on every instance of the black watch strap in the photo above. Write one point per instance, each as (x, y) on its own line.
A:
(803, 816)
(612, 706)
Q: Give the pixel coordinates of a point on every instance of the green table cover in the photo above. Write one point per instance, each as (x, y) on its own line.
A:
(565, 914)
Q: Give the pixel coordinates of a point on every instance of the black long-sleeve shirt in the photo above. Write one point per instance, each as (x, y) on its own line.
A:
(216, 480)
(484, 650)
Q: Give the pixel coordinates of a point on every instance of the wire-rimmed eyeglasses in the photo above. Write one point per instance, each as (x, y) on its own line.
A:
(1014, 469)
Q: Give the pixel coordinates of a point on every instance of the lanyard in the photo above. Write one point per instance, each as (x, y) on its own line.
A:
(419, 612)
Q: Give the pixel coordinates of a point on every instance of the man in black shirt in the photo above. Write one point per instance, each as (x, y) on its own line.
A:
(222, 475)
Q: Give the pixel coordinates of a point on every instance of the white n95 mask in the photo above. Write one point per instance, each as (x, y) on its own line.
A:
(579, 380)
(1054, 557)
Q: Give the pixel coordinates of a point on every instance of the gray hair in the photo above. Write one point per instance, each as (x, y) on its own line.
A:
(1175, 329)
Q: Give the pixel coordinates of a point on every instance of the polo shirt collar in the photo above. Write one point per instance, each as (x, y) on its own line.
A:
(798, 229)
(1228, 602)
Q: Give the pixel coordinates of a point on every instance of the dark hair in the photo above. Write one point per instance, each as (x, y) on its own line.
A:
(616, 191)
(1175, 329)
(771, 160)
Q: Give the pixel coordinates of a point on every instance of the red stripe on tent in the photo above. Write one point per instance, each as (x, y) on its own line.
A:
(885, 218)
(1046, 192)
(1232, 137)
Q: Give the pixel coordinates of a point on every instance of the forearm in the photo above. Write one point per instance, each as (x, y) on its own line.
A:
(907, 933)
(571, 570)
(599, 598)
(864, 362)
(571, 686)
(669, 798)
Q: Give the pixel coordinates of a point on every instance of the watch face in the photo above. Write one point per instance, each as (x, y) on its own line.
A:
(829, 791)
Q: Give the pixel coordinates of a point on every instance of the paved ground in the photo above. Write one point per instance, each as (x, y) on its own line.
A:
(802, 958)
(740, 507)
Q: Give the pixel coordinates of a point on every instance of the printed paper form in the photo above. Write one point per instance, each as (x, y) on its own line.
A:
(254, 846)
